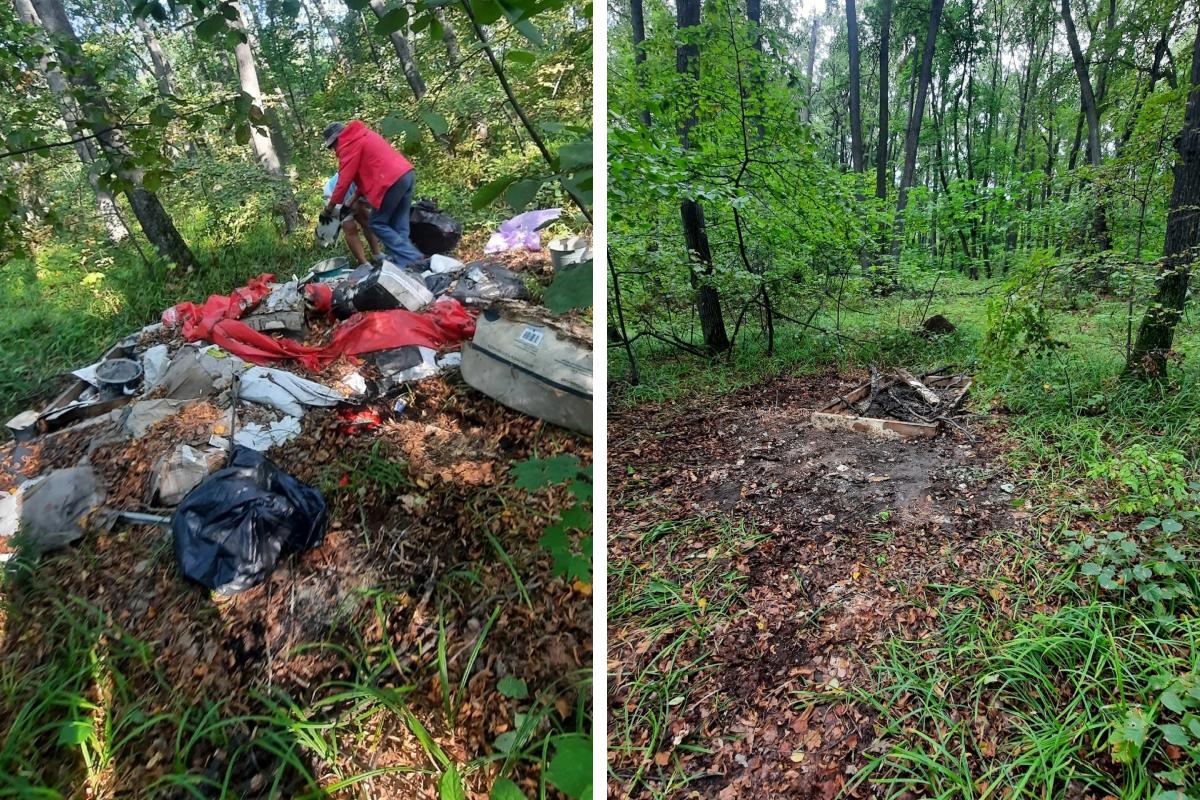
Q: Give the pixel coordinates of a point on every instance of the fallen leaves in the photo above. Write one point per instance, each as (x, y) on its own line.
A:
(832, 582)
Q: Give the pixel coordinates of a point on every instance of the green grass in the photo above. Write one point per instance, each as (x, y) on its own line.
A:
(672, 586)
(64, 305)
(1028, 704)
(97, 702)
(884, 331)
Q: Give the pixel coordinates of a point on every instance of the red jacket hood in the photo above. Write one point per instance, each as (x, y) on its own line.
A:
(366, 158)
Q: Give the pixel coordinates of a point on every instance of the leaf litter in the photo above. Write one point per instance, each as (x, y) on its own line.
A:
(855, 535)
(411, 506)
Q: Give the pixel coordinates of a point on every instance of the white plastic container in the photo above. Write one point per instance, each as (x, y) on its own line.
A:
(533, 364)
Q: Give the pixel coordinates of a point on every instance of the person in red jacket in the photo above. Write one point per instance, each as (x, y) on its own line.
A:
(383, 176)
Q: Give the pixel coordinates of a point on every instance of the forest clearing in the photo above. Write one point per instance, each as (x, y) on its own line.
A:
(810, 205)
(304, 555)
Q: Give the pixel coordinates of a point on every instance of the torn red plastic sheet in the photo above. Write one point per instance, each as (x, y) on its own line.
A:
(358, 420)
(319, 297)
(196, 320)
(445, 323)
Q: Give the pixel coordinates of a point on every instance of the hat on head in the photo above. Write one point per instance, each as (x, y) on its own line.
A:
(331, 133)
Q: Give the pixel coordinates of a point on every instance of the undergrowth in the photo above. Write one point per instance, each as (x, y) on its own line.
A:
(1085, 680)
(97, 703)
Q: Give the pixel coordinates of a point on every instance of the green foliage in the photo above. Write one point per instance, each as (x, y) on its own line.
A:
(512, 687)
(1021, 318)
(504, 789)
(1156, 574)
(570, 770)
(572, 556)
(572, 288)
(1148, 480)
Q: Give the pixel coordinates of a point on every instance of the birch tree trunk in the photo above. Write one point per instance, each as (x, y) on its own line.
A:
(327, 23)
(162, 67)
(404, 54)
(449, 37)
(106, 204)
(265, 152)
(155, 222)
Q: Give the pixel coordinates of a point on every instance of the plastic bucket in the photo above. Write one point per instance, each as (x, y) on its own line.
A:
(564, 251)
(118, 377)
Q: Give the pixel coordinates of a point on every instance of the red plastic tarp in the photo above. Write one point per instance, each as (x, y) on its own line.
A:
(196, 321)
(319, 297)
(446, 322)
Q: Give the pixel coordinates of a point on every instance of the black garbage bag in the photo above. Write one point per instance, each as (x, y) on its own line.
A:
(432, 230)
(231, 530)
(438, 283)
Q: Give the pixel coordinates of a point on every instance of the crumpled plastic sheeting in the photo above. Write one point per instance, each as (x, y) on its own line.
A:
(10, 512)
(233, 528)
(56, 509)
(521, 231)
(140, 416)
(256, 437)
(439, 264)
(287, 392)
(443, 323)
(196, 373)
(182, 471)
(154, 365)
(485, 282)
(88, 373)
(195, 320)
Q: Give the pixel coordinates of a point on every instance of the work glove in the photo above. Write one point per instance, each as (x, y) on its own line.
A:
(325, 217)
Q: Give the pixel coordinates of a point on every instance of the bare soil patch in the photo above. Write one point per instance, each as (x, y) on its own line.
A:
(858, 530)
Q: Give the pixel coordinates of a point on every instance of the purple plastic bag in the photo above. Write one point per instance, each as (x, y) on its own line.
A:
(521, 231)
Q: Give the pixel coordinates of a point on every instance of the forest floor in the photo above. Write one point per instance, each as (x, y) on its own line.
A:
(837, 537)
(797, 612)
(425, 643)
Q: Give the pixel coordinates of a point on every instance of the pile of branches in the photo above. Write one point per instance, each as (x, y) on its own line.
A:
(901, 395)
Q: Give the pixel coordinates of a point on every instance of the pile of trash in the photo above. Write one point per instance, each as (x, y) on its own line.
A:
(213, 387)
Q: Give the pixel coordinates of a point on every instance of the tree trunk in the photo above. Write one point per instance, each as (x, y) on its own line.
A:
(695, 234)
(754, 15)
(335, 41)
(637, 16)
(404, 54)
(152, 217)
(1157, 331)
(757, 73)
(881, 150)
(806, 116)
(1160, 50)
(449, 37)
(162, 67)
(856, 144)
(1092, 115)
(105, 203)
(913, 134)
(264, 148)
(283, 78)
